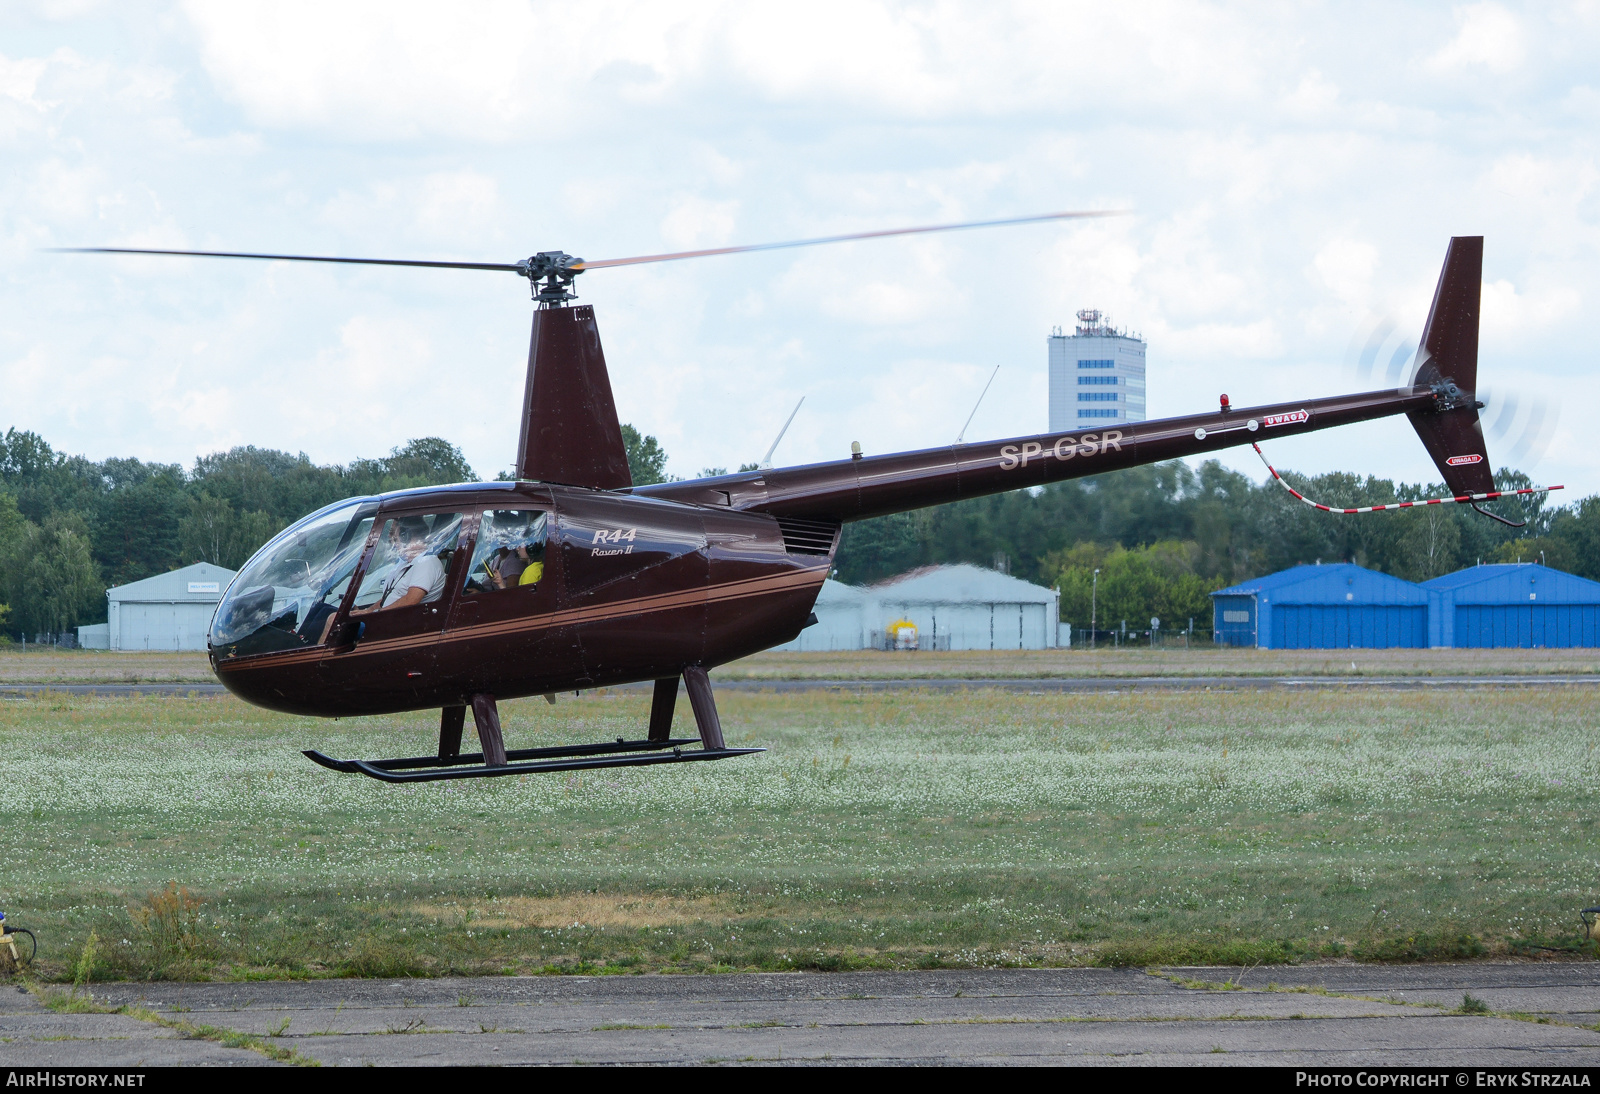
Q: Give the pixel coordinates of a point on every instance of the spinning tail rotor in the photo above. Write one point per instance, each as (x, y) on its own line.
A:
(1518, 424)
(1445, 360)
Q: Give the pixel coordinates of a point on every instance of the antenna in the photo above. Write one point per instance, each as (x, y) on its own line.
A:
(960, 437)
(766, 461)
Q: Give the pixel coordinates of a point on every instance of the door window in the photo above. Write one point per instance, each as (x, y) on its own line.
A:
(409, 562)
(510, 554)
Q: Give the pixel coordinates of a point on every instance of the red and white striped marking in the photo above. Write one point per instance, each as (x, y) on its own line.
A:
(1464, 499)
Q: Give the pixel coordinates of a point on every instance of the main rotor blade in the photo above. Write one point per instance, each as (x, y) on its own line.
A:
(840, 239)
(290, 258)
(579, 267)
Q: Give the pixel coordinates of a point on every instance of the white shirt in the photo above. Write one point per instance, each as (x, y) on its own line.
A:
(424, 572)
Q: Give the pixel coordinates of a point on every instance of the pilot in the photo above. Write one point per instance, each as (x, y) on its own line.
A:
(418, 578)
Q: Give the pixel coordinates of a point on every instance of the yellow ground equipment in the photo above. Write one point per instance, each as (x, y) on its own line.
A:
(902, 635)
(17, 946)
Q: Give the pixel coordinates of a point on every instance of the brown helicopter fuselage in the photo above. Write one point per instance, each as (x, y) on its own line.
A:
(633, 589)
(642, 583)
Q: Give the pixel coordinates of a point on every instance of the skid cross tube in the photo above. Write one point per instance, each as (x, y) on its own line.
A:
(617, 753)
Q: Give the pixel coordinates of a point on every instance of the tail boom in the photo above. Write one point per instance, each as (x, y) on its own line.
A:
(871, 486)
(1441, 402)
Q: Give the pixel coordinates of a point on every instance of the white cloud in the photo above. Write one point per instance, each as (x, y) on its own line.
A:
(1489, 36)
(1236, 341)
(391, 69)
(394, 69)
(1508, 314)
(63, 192)
(1314, 97)
(1346, 266)
(694, 223)
(503, 68)
(459, 205)
(448, 212)
(19, 79)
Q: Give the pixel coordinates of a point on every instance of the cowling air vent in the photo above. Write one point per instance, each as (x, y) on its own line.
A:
(807, 537)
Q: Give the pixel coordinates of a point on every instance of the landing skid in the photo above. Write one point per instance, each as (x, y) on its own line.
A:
(495, 761)
(417, 769)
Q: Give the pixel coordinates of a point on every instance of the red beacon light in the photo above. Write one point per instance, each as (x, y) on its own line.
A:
(1225, 405)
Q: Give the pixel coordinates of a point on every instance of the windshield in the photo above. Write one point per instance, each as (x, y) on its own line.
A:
(287, 592)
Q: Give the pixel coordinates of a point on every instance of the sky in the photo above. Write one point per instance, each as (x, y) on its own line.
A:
(1294, 173)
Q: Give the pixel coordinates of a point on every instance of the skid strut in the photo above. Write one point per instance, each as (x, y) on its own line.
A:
(661, 705)
(451, 721)
(450, 763)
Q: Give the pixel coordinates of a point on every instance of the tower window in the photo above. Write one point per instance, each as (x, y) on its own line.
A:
(1096, 364)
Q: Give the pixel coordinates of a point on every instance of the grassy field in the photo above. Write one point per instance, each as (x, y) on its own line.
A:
(102, 667)
(912, 829)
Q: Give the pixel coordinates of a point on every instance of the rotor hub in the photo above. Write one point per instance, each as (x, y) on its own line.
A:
(1451, 397)
(551, 274)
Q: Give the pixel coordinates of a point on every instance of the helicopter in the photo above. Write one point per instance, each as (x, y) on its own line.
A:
(571, 578)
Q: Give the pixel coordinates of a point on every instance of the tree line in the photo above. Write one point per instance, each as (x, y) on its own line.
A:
(70, 527)
(1162, 536)
(1165, 536)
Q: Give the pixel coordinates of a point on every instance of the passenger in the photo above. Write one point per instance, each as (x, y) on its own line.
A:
(534, 570)
(506, 568)
(417, 578)
(514, 567)
(522, 565)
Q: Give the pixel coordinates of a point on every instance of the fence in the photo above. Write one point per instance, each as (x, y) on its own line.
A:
(1163, 638)
(66, 640)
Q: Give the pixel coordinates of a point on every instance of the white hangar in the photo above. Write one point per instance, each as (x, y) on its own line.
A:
(958, 607)
(170, 611)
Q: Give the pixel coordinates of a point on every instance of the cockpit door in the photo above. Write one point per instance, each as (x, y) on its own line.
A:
(506, 627)
(384, 636)
(412, 560)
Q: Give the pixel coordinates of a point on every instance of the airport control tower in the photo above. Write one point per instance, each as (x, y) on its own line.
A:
(1096, 375)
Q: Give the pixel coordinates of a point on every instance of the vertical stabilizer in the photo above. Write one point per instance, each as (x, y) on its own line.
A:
(570, 432)
(1449, 354)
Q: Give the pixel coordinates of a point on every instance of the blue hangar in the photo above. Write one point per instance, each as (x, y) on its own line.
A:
(1339, 606)
(1513, 605)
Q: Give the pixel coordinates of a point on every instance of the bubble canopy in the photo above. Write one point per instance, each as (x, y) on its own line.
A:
(289, 589)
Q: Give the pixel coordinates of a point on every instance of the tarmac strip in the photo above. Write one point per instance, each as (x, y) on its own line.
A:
(1039, 686)
(1319, 1016)
(1149, 683)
